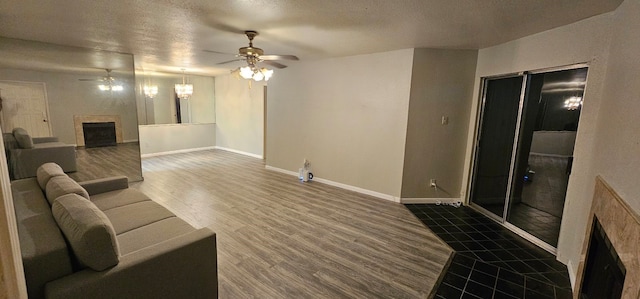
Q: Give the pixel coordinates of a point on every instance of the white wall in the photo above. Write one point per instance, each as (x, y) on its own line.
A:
(348, 116)
(240, 114)
(618, 136)
(441, 85)
(607, 138)
(163, 139)
(68, 97)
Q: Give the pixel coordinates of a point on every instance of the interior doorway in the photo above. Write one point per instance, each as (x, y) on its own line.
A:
(24, 105)
(524, 149)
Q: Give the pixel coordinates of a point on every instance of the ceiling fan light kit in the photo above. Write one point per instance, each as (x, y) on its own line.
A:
(110, 87)
(109, 82)
(253, 56)
(249, 72)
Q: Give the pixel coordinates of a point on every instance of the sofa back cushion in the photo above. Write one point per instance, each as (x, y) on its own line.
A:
(23, 138)
(63, 185)
(10, 142)
(46, 171)
(45, 254)
(88, 231)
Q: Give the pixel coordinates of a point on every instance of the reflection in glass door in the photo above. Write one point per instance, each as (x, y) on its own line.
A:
(495, 143)
(525, 147)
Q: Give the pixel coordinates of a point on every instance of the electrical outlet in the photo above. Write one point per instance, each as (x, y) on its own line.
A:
(432, 183)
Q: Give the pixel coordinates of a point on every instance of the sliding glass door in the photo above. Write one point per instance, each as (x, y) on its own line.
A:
(494, 150)
(524, 149)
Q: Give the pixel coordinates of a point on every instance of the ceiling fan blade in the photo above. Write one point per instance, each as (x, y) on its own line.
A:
(230, 61)
(217, 52)
(91, 80)
(274, 64)
(279, 57)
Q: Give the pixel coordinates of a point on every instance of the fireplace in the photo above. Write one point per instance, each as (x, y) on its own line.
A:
(79, 122)
(604, 271)
(98, 134)
(615, 231)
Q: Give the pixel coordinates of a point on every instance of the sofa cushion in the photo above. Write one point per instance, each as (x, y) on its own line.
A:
(88, 231)
(152, 234)
(23, 138)
(117, 198)
(62, 185)
(135, 215)
(46, 171)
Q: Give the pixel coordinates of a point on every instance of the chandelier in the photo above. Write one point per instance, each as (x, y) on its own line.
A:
(573, 103)
(184, 90)
(150, 91)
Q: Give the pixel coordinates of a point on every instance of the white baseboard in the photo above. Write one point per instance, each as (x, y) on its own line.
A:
(239, 152)
(280, 170)
(572, 274)
(430, 200)
(339, 185)
(188, 150)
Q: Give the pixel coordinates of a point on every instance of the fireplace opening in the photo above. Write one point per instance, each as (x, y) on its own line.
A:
(604, 272)
(98, 134)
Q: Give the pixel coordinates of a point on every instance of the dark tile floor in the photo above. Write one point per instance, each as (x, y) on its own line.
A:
(489, 260)
(541, 224)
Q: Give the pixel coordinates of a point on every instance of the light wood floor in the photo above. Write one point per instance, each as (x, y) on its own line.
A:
(280, 238)
(99, 162)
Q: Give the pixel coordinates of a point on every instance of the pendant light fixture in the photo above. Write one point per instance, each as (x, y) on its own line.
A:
(150, 91)
(184, 90)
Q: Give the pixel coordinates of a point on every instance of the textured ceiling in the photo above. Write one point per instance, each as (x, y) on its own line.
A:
(166, 35)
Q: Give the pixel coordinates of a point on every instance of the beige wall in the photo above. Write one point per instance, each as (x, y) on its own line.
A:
(162, 109)
(584, 41)
(348, 116)
(240, 114)
(156, 139)
(163, 135)
(441, 85)
(68, 97)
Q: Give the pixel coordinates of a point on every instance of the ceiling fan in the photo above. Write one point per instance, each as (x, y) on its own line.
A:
(253, 55)
(108, 82)
(108, 78)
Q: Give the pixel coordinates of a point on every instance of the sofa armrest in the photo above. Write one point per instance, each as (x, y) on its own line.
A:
(103, 185)
(44, 139)
(182, 267)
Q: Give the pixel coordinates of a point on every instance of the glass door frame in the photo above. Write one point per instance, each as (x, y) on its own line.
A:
(476, 139)
(478, 132)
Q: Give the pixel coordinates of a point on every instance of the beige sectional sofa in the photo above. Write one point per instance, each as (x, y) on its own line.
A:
(25, 154)
(102, 239)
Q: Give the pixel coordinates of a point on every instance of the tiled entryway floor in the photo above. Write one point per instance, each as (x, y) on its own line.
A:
(489, 260)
